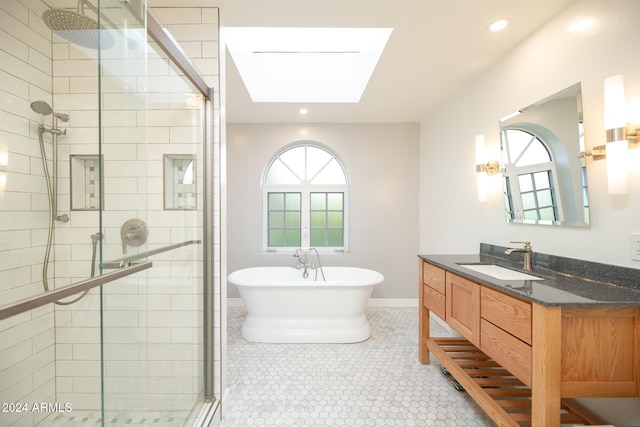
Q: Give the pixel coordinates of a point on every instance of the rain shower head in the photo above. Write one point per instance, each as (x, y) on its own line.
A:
(77, 27)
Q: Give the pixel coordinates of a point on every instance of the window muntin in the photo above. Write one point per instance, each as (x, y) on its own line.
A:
(318, 180)
(284, 211)
(327, 219)
(538, 199)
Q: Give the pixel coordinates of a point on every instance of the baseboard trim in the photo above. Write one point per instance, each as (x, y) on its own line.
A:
(393, 302)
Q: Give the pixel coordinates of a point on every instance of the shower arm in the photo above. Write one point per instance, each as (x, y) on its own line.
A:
(82, 3)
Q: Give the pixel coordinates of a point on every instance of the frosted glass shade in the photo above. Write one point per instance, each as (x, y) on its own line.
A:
(618, 167)
(480, 151)
(615, 117)
(615, 104)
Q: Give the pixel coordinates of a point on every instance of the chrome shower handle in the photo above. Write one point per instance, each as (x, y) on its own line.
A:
(133, 232)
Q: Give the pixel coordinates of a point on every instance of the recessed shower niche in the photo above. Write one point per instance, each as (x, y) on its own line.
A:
(85, 182)
(179, 182)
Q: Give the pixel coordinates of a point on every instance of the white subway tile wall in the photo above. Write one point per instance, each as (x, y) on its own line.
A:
(27, 341)
(153, 356)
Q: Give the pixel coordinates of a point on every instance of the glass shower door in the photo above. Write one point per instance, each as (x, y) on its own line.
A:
(153, 322)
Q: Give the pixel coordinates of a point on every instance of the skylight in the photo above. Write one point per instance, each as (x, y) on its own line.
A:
(305, 64)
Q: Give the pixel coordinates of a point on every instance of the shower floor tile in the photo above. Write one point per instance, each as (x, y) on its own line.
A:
(94, 418)
(378, 382)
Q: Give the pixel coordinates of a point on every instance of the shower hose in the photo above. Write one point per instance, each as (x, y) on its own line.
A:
(47, 252)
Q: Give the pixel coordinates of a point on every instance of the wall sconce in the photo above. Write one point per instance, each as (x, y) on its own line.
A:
(484, 168)
(619, 136)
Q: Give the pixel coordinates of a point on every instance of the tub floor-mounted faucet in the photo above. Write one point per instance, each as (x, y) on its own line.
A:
(305, 262)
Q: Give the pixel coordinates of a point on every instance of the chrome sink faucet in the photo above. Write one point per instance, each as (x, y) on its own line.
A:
(527, 250)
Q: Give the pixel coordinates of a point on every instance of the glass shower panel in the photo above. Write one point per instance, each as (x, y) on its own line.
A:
(153, 351)
(51, 375)
(48, 107)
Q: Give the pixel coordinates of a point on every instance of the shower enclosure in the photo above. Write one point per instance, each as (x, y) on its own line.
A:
(109, 294)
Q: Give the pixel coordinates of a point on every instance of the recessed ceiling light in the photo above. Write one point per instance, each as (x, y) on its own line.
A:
(286, 64)
(498, 25)
(303, 111)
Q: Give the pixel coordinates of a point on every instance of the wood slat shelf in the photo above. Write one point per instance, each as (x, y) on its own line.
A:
(505, 398)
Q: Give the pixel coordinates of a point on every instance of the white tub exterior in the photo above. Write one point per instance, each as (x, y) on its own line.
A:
(282, 307)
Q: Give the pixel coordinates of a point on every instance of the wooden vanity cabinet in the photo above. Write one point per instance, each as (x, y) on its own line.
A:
(519, 359)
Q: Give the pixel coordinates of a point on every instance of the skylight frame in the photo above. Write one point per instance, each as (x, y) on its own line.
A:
(294, 64)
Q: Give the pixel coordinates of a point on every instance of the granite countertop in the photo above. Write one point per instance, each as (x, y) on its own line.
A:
(556, 288)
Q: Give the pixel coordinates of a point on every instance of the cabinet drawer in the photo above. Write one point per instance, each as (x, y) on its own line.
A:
(434, 301)
(511, 353)
(433, 276)
(510, 314)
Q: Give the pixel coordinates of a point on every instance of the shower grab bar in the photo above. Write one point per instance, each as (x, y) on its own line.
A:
(53, 295)
(124, 261)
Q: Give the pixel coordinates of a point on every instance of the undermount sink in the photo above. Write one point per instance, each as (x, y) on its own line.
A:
(498, 272)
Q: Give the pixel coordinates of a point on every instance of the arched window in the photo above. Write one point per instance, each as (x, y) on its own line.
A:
(305, 198)
(530, 177)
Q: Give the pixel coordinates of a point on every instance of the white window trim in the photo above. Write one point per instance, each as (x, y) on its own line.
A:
(305, 189)
(305, 235)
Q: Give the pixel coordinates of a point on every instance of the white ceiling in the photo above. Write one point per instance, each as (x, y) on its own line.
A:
(436, 47)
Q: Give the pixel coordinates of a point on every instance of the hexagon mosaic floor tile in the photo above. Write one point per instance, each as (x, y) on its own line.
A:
(378, 382)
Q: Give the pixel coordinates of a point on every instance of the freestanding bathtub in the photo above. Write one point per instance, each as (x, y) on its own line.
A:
(282, 307)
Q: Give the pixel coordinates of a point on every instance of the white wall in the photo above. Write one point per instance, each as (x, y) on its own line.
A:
(382, 162)
(547, 62)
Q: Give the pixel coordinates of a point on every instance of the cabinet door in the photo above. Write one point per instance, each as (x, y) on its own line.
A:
(463, 307)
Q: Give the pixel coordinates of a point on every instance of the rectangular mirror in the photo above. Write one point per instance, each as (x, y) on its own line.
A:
(545, 178)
